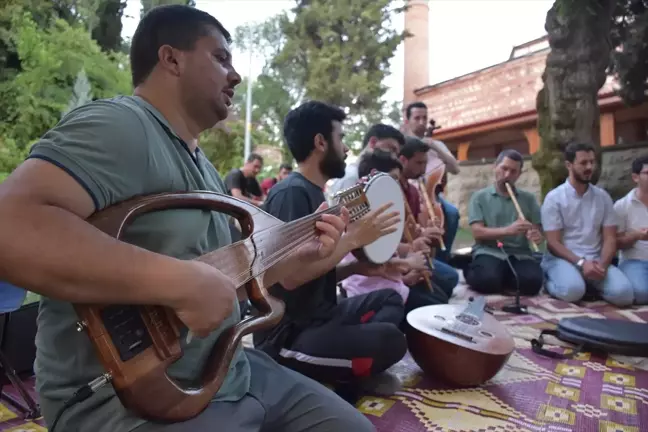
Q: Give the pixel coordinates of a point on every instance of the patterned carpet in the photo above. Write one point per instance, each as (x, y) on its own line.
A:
(531, 394)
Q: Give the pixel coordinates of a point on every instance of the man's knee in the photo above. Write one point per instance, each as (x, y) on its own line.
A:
(637, 273)
(387, 297)
(391, 348)
(618, 290)
(570, 290)
(484, 279)
(531, 280)
(445, 276)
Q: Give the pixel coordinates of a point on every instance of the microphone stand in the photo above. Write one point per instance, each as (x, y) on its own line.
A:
(516, 307)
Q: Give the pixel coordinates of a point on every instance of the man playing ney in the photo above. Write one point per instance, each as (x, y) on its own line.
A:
(632, 240)
(493, 218)
(413, 157)
(580, 225)
(416, 122)
(111, 150)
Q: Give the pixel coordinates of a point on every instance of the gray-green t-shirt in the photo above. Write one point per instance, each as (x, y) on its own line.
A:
(495, 210)
(117, 149)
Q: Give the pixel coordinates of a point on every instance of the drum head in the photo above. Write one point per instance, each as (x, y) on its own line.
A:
(380, 190)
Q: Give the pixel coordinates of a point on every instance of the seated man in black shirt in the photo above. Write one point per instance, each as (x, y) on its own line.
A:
(242, 183)
(327, 340)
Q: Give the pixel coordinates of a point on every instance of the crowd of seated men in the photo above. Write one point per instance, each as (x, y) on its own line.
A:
(585, 233)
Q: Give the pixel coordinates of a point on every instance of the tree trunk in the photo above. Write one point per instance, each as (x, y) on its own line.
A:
(576, 70)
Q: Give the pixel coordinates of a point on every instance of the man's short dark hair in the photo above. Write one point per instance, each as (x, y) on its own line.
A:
(303, 123)
(285, 166)
(639, 163)
(413, 146)
(254, 157)
(383, 131)
(575, 147)
(413, 105)
(514, 155)
(178, 26)
(379, 160)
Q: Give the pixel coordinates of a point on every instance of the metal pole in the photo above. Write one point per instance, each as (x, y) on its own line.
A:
(248, 105)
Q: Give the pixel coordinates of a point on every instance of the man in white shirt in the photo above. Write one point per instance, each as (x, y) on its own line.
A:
(581, 228)
(379, 136)
(632, 238)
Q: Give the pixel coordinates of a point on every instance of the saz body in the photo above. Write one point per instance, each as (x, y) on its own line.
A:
(461, 345)
(136, 344)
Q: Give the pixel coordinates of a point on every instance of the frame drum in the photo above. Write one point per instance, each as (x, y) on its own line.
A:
(379, 190)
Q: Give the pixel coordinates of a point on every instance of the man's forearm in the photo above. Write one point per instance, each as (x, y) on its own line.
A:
(452, 166)
(561, 251)
(52, 252)
(482, 233)
(628, 239)
(296, 271)
(242, 197)
(608, 251)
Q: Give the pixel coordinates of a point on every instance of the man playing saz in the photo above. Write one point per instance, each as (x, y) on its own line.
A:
(111, 150)
(500, 231)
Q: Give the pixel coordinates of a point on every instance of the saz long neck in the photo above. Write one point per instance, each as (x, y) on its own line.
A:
(251, 257)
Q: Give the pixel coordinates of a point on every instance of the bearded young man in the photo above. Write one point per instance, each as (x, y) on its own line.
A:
(580, 226)
(332, 341)
(111, 150)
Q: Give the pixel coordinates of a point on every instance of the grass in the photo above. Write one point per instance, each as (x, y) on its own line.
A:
(463, 239)
(31, 298)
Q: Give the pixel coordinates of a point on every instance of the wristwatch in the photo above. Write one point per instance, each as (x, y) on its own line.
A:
(580, 263)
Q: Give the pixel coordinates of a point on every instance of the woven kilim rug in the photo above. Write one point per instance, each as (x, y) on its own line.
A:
(531, 393)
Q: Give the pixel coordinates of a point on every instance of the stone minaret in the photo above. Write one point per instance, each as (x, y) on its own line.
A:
(416, 70)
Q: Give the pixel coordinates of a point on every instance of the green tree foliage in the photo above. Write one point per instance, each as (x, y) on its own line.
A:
(630, 54)
(224, 146)
(47, 60)
(107, 28)
(276, 90)
(340, 51)
(589, 40)
(147, 5)
(334, 51)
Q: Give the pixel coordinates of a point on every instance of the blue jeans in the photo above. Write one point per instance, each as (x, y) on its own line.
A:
(637, 273)
(451, 214)
(565, 282)
(445, 276)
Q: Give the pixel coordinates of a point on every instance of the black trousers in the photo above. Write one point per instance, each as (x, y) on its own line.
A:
(490, 275)
(361, 339)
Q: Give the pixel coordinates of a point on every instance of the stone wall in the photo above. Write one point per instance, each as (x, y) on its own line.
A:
(615, 176)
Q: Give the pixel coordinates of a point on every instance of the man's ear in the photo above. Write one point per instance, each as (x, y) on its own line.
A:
(320, 143)
(171, 59)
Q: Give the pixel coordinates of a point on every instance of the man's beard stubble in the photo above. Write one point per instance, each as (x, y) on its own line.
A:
(580, 178)
(332, 166)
